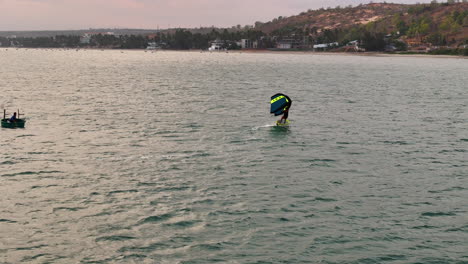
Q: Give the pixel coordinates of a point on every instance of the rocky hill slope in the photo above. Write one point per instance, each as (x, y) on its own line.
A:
(441, 23)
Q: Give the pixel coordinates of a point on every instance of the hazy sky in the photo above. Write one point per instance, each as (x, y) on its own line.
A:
(149, 14)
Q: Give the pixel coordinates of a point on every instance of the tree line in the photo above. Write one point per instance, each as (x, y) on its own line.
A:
(180, 39)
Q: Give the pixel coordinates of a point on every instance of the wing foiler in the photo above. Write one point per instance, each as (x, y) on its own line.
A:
(280, 103)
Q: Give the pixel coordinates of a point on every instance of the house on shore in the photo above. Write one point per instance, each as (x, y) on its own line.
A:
(153, 46)
(286, 44)
(248, 44)
(325, 46)
(86, 37)
(353, 46)
(217, 45)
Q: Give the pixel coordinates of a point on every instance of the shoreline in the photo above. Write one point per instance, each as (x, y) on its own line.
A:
(370, 54)
(264, 51)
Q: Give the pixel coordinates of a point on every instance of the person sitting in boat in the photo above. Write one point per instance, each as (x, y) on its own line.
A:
(13, 118)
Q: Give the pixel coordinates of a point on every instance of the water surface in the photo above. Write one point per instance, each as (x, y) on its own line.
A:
(171, 157)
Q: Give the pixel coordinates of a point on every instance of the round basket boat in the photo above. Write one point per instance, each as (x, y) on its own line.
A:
(18, 123)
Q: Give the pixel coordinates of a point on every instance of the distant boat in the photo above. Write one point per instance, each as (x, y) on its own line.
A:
(17, 123)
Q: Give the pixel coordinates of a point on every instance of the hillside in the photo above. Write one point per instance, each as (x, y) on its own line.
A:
(333, 18)
(440, 23)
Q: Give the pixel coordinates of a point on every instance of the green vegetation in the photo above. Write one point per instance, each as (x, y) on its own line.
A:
(181, 39)
(454, 22)
(184, 39)
(458, 52)
(48, 42)
(420, 26)
(101, 40)
(98, 40)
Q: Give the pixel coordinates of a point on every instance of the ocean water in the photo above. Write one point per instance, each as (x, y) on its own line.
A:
(172, 157)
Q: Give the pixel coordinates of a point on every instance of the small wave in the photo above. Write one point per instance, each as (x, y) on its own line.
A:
(149, 248)
(224, 212)
(73, 209)
(453, 150)
(147, 184)
(301, 195)
(323, 199)
(337, 182)
(31, 248)
(183, 224)
(381, 259)
(135, 256)
(43, 186)
(204, 201)
(320, 160)
(345, 143)
(434, 214)
(28, 173)
(395, 142)
(459, 229)
(35, 257)
(424, 227)
(114, 238)
(171, 189)
(208, 247)
(26, 135)
(157, 218)
(122, 191)
(200, 155)
(455, 188)
(7, 221)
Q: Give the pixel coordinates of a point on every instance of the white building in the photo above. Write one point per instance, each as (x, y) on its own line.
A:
(216, 45)
(248, 44)
(284, 45)
(153, 46)
(86, 38)
(326, 45)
